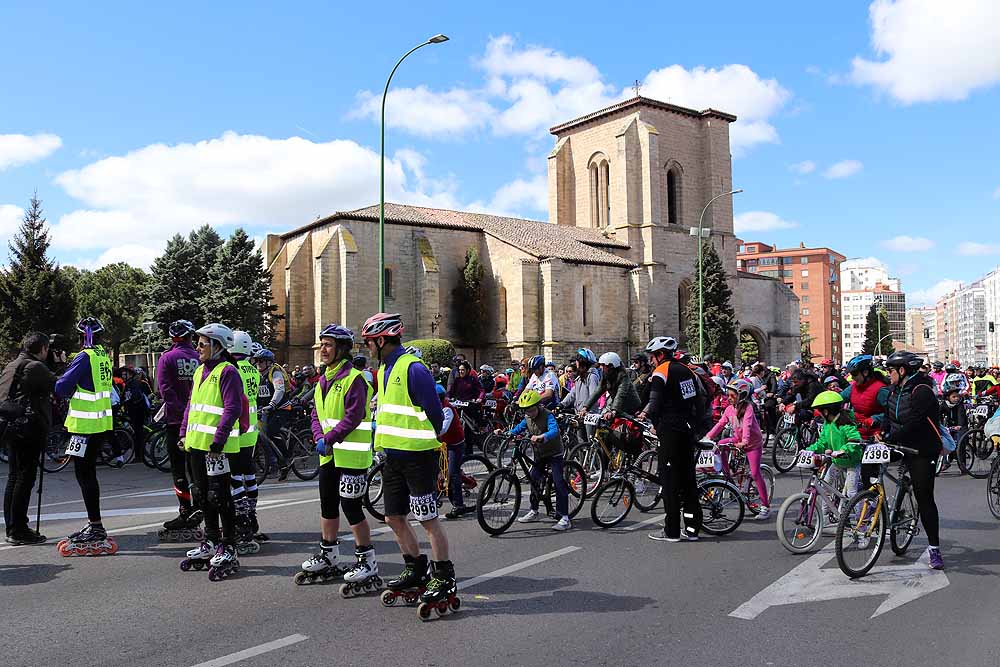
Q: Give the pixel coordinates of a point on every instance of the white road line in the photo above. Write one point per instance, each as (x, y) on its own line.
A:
(134, 511)
(469, 583)
(645, 522)
(254, 651)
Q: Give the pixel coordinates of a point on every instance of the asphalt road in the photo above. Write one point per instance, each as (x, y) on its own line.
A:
(587, 596)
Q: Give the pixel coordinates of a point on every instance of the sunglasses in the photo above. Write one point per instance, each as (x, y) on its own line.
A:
(201, 344)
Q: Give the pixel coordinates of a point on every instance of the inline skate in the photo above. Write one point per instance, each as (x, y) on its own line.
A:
(198, 557)
(322, 567)
(410, 583)
(90, 541)
(224, 563)
(184, 528)
(245, 542)
(441, 594)
(362, 577)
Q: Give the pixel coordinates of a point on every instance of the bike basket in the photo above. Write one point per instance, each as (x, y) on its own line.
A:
(626, 436)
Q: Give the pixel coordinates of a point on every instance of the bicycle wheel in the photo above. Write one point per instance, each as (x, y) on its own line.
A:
(612, 502)
(159, 452)
(722, 506)
(374, 500)
(800, 523)
(504, 452)
(475, 469)
(647, 491)
(490, 445)
(903, 521)
(993, 489)
(754, 502)
(261, 460)
(56, 458)
(576, 485)
(860, 534)
(785, 450)
(126, 444)
(975, 454)
(302, 454)
(498, 502)
(589, 457)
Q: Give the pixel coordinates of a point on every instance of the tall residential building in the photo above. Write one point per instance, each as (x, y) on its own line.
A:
(921, 331)
(855, 305)
(865, 274)
(971, 338)
(814, 276)
(946, 317)
(991, 290)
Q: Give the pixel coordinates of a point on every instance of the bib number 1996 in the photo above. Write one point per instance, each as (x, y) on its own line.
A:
(217, 466)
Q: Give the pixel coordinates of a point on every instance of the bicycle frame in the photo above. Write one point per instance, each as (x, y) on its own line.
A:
(902, 486)
(818, 486)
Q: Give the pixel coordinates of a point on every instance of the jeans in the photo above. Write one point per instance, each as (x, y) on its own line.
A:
(456, 454)
(558, 481)
(22, 468)
(680, 489)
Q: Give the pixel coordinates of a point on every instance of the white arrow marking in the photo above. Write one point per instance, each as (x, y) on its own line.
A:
(809, 582)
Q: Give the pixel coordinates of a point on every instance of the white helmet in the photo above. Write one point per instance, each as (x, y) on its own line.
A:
(242, 343)
(610, 359)
(219, 333)
(662, 344)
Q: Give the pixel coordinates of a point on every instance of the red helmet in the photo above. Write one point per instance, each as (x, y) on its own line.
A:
(382, 325)
(826, 362)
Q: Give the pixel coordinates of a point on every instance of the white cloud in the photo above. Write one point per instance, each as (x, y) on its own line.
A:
(863, 262)
(804, 167)
(931, 50)
(18, 149)
(10, 219)
(973, 249)
(426, 113)
(908, 244)
(843, 169)
(760, 221)
(520, 198)
(927, 297)
(504, 59)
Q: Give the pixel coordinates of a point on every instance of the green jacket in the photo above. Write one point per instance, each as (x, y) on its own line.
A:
(841, 435)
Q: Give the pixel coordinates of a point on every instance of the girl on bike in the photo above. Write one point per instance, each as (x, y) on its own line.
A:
(739, 415)
(839, 438)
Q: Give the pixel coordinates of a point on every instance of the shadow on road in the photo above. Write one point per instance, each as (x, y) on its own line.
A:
(25, 575)
(555, 602)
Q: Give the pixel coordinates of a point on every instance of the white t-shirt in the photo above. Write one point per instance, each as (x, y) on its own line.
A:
(547, 380)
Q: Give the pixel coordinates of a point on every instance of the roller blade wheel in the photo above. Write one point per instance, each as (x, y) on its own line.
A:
(358, 588)
(106, 548)
(193, 564)
(303, 578)
(261, 537)
(427, 610)
(181, 536)
(220, 573)
(244, 548)
(409, 596)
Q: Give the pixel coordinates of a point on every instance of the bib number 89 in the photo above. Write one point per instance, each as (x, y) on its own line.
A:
(424, 507)
(352, 486)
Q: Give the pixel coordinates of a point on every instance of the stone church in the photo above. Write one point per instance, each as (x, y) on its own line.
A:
(610, 269)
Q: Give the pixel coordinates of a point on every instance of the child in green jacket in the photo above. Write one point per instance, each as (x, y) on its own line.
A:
(839, 439)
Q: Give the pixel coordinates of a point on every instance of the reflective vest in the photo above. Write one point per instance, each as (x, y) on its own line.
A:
(251, 381)
(205, 413)
(356, 449)
(90, 411)
(400, 424)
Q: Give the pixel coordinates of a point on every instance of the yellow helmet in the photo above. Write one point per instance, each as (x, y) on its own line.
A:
(529, 398)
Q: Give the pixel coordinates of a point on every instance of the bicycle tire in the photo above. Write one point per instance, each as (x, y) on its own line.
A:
(261, 461)
(792, 521)
(785, 450)
(612, 502)
(717, 497)
(126, 444)
(499, 499)
(505, 452)
(159, 451)
(903, 528)
(993, 489)
(490, 444)
(56, 458)
(589, 458)
(302, 453)
(576, 483)
(848, 528)
(973, 448)
(474, 468)
(647, 492)
(374, 501)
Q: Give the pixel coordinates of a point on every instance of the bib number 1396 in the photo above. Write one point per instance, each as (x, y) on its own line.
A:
(876, 454)
(217, 466)
(77, 445)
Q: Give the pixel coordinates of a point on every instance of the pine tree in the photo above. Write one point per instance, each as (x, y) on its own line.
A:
(806, 340)
(35, 294)
(876, 326)
(469, 304)
(174, 285)
(113, 294)
(238, 289)
(720, 323)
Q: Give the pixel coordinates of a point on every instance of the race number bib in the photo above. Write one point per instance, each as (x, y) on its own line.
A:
(687, 389)
(591, 419)
(806, 459)
(424, 507)
(216, 467)
(876, 454)
(459, 404)
(981, 411)
(77, 445)
(490, 403)
(708, 461)
(789, 419)
(352, 486)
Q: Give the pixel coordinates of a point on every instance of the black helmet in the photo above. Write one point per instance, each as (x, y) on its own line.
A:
(89, 327)
(907, 359)
(180, 329)
(938, 365)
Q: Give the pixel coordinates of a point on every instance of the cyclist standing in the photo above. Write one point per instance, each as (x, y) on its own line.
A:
(911, 415)
(273, 394)
(867, 395)
(587, 384)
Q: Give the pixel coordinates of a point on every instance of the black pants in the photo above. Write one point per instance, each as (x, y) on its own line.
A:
(137, 418)
(23, 466)
(85, 468)
(922, 478)
(680, 490)
(215, 496)
(330, 500)
(178, 467)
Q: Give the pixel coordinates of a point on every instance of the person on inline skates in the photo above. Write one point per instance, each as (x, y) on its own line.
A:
(408, 421)
(87, 383)
(840, 439)
(244, 469)
(216, 415)
(342, 429)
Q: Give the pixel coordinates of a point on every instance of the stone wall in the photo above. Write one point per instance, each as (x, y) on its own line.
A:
(767, 307)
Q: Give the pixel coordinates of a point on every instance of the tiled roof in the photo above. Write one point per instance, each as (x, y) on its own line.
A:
(644, 101)
(539, 239)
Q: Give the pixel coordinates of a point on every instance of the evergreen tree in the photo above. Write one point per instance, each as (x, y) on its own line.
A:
(238, 289)
(877, 326)
(469, 304)
(720, 323)
(173, 287)
(806, 339)
(205, 243)
(35, 294)
(112, 294)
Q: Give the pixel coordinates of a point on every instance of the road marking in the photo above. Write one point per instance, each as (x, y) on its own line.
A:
(475, 581)
(254, 651)
(809, 582)
(645, 522)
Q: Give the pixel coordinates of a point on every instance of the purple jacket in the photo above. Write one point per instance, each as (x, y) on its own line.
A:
(174, 376)
(423, 391)
(467, 388)
(77, 373)
(354, 405)
(234, 401)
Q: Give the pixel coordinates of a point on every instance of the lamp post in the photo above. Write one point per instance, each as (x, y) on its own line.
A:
(878, 345)
(701, 303)
(436, 39)
(149, 328)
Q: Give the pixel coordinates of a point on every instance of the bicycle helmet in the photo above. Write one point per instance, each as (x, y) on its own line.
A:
(220, 333)
(415, 351)
(828, 399)
(486, 369)
(500, 379)
(727, 365)
(382, 325)
(529, 398)
(951, 368)
(337, 332)
(440, 390)
(180, 329)
(904, 359)
(586, 355)
(826, 362)
(938, 365)
(719, 381)
(829, 379)
(360, 359)
(537, 361)
(661, 344)
(242, 343)
(742, 388)
(860, 363)
(953, 382)
(610, 359)
(89, 327)
(265, 355)
(255, 349)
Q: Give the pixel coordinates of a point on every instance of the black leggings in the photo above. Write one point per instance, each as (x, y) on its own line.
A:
(330, 501)
(85, 468)
(922, 478)
(178, 467)
(680, 488)
(214, 495)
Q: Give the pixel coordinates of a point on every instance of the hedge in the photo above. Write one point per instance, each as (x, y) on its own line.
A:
(436, 350)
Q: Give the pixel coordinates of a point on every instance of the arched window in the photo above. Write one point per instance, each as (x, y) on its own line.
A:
(605, 185)
(387, 282)
(599, 172)
(583, 310)
(503, 310)
(673, 192)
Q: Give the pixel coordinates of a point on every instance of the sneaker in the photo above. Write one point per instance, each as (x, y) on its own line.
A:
(765, 513)
(936, 562)
(117, 462)
(563, 524)
(458, 512)
(26, 536)
(688, 537)
(530, 516)
(661, 536)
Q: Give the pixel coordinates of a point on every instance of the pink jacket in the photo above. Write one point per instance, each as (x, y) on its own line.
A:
(746, 435)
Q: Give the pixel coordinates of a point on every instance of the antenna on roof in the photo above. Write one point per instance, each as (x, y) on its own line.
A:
(637, 87)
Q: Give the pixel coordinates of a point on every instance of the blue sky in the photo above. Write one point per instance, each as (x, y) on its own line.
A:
(867, 128)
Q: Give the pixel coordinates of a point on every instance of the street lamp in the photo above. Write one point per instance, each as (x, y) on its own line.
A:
(149, 328)
(700, 233)
(436, 39)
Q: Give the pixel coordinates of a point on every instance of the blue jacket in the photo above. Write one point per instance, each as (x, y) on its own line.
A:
(77, 374)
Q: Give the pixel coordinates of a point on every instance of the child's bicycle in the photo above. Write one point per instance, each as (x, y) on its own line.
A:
(804, 515)
(636, 482)
(869, 515)
(500, 495)
(729, 462)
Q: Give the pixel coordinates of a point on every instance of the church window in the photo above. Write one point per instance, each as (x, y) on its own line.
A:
(673, 194)
(672, 197)
(387, 283)
(584, 309)
(599, 173)
(503, 310)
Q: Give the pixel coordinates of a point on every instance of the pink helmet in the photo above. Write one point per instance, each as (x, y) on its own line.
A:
(382, 325)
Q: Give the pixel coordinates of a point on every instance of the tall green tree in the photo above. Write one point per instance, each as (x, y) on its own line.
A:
(877, 326)
(174, 286)
(469, 303)
(806, 340)
(749, 350)
(113, 294)
(720, 324)
(238, 289)
(205, 243)
(35, 294)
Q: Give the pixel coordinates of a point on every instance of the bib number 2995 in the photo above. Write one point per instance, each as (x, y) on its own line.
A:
(424, 507)
(216, 467)
(77, 445)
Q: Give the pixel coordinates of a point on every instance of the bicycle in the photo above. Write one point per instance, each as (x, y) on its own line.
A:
(993, 484)
(597, 457)
(804, 515)
(790, 439)
(636, 483)
(719, 492)
(866, 518)
(974, 453)
(499, 497)
(299, 455)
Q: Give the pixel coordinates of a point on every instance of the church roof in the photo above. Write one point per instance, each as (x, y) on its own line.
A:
(642, 101)
(539, 239)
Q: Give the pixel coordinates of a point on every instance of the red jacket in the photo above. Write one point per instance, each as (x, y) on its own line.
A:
(453, 434)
